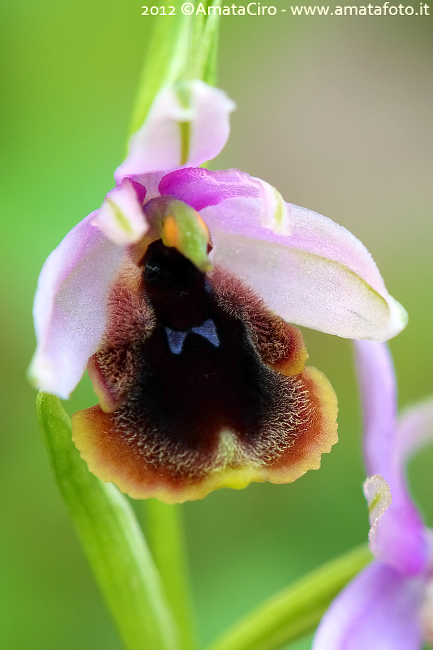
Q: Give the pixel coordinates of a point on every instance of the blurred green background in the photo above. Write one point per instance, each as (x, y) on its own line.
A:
(336, 113)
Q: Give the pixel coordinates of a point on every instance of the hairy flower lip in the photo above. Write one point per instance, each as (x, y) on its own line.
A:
(211, 413)
(113, 463)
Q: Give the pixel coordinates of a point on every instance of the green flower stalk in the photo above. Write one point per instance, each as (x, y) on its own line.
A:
(168, 546)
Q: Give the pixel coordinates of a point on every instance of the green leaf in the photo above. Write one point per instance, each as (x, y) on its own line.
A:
(111, 538)
(295, 611)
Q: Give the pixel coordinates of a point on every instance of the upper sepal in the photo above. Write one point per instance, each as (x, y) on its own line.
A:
(188, 124)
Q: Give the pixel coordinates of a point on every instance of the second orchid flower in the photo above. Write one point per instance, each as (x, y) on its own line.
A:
(389, 605)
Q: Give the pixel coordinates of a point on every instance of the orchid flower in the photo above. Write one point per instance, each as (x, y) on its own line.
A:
(389, 605)
(175, 295)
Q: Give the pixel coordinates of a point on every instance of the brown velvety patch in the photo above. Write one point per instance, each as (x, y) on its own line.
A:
(191, 394)
(114, 368)
(144, 463)
(279, 344)
(316, 430)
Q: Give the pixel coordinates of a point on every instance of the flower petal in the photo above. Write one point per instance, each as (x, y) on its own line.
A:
(187, 124)
(202, 188)
(194, 394)
(70, 307)
(378, 610)
(399, 537)
(121, 217)
(321, 276)
(378, 390)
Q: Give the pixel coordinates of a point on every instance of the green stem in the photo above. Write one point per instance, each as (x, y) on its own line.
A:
(111, 538)
(295, 611)
(167, 543)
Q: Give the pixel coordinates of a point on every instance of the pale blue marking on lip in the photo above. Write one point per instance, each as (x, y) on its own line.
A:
(207, 330)
(175, 340)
